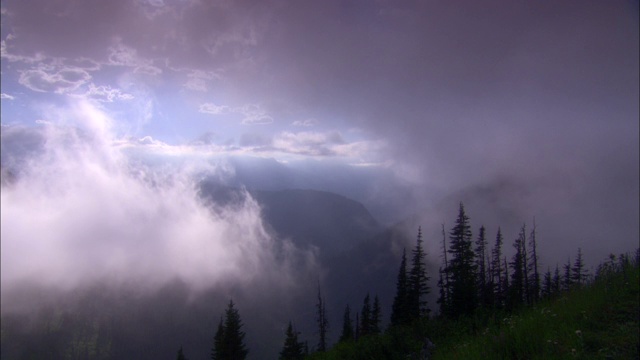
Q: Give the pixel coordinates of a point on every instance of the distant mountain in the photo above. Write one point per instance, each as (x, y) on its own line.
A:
(328, 222)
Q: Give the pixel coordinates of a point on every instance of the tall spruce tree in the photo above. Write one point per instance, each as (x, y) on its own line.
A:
(443, 282)
(567, 280)
(376, 316)
(462, 268)
(480, 253)
(496, 271)
(418, 281)
(506, 286)
(347, 326)
(534, 279)
(233, 334)
(292, 349)
(556, 281)
(181, 355)
(526, 284)
(217, 352)
(517, 289)
(490, 285)
(229, 339)
(578, 274)
(442, 298)
(399, 309)
(547, 287)
(365, 317)
(323, 323)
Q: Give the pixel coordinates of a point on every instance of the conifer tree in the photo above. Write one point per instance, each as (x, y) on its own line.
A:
(442, 298)
(526, 284)
(356, 334)
(496, 271)
(443, 282)
(347, 326)
(229, 339)
(567, 280)
(365, 317)
(533, 265)
(323, 323)
(181, 355)
(218, 352)
(480, 253)
(516, 290)
(376, 316)
(578, 275)
(506, 286)
(547, 288)
(556, 281)
(418, 281)
(462, 267)
(399, 310)
(292, 349)
(233, 335)
(490, 290)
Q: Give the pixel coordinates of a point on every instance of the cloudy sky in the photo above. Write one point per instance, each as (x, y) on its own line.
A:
(533, 102)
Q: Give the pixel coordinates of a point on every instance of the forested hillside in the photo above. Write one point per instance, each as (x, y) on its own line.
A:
(481, 303)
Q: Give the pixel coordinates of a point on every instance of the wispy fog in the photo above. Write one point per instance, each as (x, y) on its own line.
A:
(78, 209)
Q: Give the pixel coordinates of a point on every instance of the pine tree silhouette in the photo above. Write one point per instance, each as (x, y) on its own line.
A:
(578, 275)
(323, 323)
(376, 316)
(399, 309)
(229, 339)
(462, 267)
(517, 290)
(347, 326)
(181, 355)
(365, 317)
(418, 281)
(482, 283)
(292, 349)
(497, 271)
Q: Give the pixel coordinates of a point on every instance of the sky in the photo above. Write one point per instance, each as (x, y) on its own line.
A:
(110, 109)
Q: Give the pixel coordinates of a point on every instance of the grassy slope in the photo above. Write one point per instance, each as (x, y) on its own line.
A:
(598, 322)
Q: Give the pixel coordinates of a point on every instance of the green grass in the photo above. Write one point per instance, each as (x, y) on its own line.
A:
(597, 322)
(600, 321)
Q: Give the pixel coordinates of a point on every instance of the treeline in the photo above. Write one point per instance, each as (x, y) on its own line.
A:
(475, 281)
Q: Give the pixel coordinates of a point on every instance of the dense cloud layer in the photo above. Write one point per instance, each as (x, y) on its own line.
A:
(78, 210)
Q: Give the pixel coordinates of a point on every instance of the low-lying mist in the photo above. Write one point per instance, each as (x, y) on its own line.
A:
(77, 208)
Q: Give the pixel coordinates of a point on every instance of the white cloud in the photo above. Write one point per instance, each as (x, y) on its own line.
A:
(106, 93)
(198, 80)
(251, 114)
(254, 115)
(7, 96)
(11, 57)
(47, 78)
(213, 109)
(308, 143)
(257, 119)
(305, 123)
(84, 210)
(122, 55)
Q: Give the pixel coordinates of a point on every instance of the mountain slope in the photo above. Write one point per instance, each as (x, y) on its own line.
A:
(328, 221)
